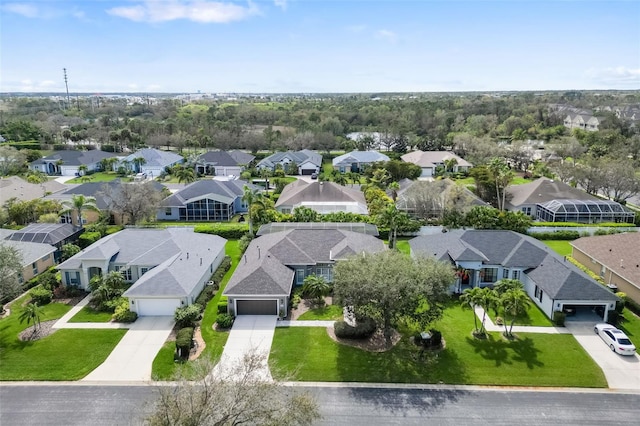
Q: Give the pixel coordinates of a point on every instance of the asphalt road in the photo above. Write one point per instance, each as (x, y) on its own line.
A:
(127, 405)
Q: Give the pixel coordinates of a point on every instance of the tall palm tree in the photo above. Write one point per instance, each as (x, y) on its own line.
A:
(515, 302)
(393, 219)
(250, 196)
(83, 169)
(265, 174)
(31, 314)
(78, 204)
(185, 175)
(138, 162)
(340, 179)
(469, 298)
(449, 164)
(502, 176)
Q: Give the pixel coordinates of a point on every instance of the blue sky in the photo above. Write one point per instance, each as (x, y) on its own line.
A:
(318, 45)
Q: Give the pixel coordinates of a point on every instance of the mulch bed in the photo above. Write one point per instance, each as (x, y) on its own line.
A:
(45, 329)
(375, 343)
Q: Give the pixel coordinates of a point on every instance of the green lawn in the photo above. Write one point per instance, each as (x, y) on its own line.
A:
(67, 354)
(163, 365)
(631, 326)
(403, 246)
(561, 247)
(96, 177)
(88, 314)
(308, 354)
(326, 313)
(533, 317)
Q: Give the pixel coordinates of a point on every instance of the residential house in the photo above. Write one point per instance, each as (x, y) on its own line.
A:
(154, 161)
(357, 161)
(584, 121)
(206, 200)
(223, 163)
(168, 268)
(483, 257)
(554, 201)
(615, 258)
(308, 162)
(21, 190)
(275, 263)
(424, 199)
(51, 234)
(35, 257)
(429, 161)
(67, 163)
(323, 197)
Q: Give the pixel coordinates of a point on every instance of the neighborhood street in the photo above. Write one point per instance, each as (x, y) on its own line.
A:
(76, 404)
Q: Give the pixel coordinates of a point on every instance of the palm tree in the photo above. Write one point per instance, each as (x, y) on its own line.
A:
(449, 164)
(83, 169)
(393, 219)
(265, 174)
(340, 179)
(138, 162)
(316, 287)
(250, 196)
(469, 298)
(185, 175)
(59, 164)
(502, 176)
(515, 302)
(78, 203)
(31, 314)
(394, 187)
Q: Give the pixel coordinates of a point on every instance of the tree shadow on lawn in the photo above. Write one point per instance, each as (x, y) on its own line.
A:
(498, 350)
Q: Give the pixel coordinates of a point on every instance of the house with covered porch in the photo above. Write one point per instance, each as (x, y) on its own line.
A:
(480, 258)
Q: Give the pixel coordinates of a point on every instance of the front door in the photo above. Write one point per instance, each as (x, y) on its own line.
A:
(300, 276)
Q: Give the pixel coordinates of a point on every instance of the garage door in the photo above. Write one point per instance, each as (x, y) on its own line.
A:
(308, 171)
(257, 307)
(157, 307)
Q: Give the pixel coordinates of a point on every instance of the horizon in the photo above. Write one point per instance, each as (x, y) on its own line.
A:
(303, 47)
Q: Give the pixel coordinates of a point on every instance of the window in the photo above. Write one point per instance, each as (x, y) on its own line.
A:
(167, 211)
(45, 258)
(538, 293)
(489, 275)
(505, 273)
(72, 278)
(126, 273)
(516, 275)
(20, 278)
(325, 271)
(34, 265)
(526, 210)
(143, 271)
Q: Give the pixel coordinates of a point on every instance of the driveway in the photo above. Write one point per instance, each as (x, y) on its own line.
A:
(622, 372)
(131, 359)
(250, 334)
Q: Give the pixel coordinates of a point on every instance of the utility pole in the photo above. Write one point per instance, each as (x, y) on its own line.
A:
(64, 70)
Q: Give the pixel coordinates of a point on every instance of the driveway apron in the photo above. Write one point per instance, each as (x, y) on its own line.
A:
(622, 372)
(132, 358)
(250, 334)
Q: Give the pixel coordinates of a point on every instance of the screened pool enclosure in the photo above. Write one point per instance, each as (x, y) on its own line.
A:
(584, 211)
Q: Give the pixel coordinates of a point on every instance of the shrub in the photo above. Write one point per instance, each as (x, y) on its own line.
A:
(184, 339)
(556, 235)
(613, 317)
(188, 315)
(244, 242)
(222, 307)
(230, 231)
(41, 296)
(364, 328)
(88, 238)
(499, 321)
(123, 314)
(620, 303)
(218, 275)
(436, 338)
(224, 320)
(632, 305)
(558, 318)
(206, 295)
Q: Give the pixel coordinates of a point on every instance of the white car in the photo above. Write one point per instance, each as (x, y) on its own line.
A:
(616, 339)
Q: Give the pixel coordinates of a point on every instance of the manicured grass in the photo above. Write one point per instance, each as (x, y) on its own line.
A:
(403, 246)
(67, 354)
(631, 326)
(326, 313)
(163, 365)
(287, 179)
(88, 314)
(97, 177)
(308, 354)
(561, 247)
(534, 317)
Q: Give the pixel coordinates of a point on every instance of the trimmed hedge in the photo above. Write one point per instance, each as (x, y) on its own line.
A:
(558, 318)
(364, 328)
(583, 225)
(224, 320)
(24, 145)
(41, 296)
(230, 231)
(556, 235)
(188, 315)
(88, 238)
(184, 339)
(222, 307)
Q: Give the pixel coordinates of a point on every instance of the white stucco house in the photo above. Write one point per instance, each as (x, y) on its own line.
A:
(168, 268)
(68, 163)
(429, 161)
(155, 161)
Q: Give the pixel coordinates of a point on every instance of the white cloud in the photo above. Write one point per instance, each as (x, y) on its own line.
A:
(282, 4)
(192, 10)
(356, 28)
(387, 35)
(47, 83)
(615, 76)
(132, 86)
(25, 9)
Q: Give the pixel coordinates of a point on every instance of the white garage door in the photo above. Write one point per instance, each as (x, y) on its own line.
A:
(157, 307)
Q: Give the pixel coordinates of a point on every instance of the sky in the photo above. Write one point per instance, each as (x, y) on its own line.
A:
(316, 46)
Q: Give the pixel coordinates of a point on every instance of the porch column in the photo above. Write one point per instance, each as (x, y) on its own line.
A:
(476, 278)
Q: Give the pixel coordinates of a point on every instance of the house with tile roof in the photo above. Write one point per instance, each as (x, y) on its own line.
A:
(308, 162)
(223, 163)
(483, 257)
(551, 200)
(168, 268)
(275, 263)
(615, 258)
(429, 161)
(155, 161)
(35, 257)
(357, 161)
(206, 200)
(67, 163)
(323, 197)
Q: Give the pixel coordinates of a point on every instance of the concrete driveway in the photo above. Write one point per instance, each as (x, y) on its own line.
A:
(250, 334)
(131, 359)
(622, 372)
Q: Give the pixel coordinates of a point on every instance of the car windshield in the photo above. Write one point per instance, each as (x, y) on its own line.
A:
(624, 341)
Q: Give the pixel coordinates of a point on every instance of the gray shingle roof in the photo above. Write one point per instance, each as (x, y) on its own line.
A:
(222, 190)
(76, 158)
(431, 158)
(218, 158)
(300, 191)
(14, 186)
(541, 191)
(96, 190)
(29, 252)
(263, 270)
(297, 157)
(360, 157)
(241, 157)
(558, 278)
(155, 157)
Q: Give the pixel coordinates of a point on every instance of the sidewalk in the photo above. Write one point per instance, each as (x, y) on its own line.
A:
(63, 322)
(305, 323)
(490, 326)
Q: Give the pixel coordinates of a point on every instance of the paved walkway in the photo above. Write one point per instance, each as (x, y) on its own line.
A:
(64, 179)
(305, 323)
(63, 321)
(133, 356)
(490, 326)
(250, 335)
